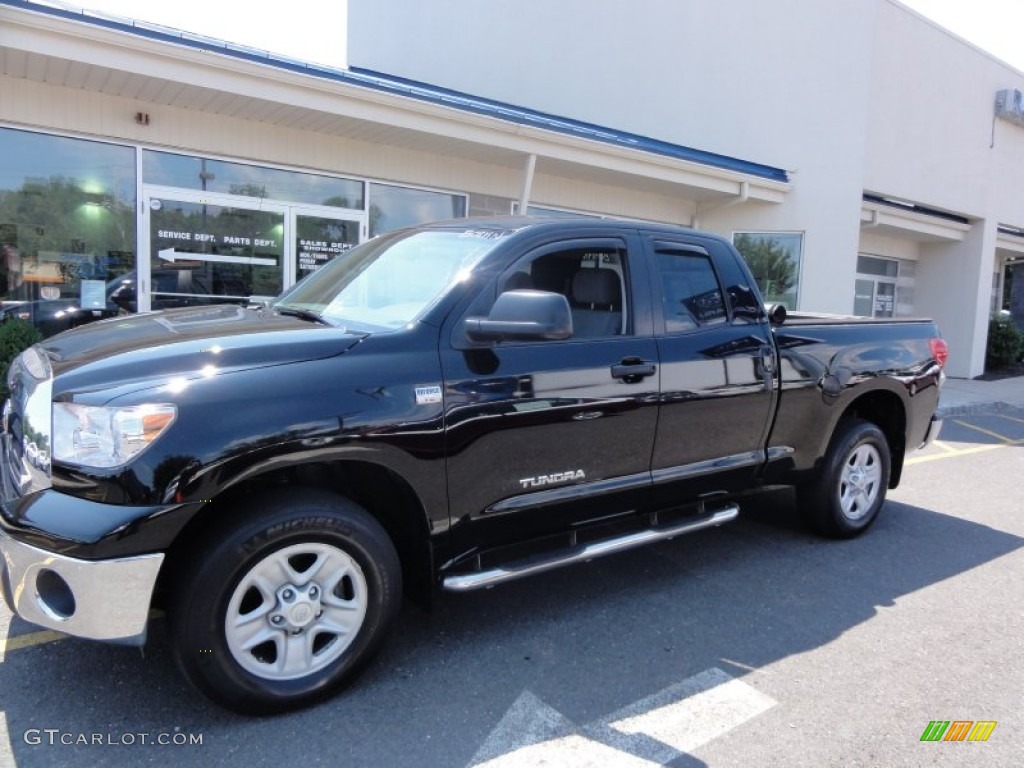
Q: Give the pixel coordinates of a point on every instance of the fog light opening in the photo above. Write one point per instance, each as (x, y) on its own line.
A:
(55, 596)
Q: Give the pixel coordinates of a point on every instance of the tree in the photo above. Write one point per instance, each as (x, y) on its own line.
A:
(770, 263)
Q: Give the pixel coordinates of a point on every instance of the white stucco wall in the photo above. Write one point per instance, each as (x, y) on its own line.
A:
(932, 138)
(742, 78)
(849, 96)
(931, 133)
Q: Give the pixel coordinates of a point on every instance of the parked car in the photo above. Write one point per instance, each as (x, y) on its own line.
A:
(177, 287)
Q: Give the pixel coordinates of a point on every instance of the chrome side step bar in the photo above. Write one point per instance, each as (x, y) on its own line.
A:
(464, 582)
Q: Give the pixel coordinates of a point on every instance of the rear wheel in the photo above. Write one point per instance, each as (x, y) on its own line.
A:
(281, 609)
(848, 493)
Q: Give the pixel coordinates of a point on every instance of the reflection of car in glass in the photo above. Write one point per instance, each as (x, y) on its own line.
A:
(51, 312)
(50, 309)
(36, 457)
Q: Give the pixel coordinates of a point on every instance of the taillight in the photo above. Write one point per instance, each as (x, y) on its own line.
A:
(940, 351)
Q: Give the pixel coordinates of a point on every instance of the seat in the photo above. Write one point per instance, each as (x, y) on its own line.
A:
(596, 296)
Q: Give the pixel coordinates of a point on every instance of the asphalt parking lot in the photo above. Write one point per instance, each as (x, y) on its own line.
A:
(750, 644)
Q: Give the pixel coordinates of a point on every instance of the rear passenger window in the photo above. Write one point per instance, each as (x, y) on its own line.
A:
(691, 295)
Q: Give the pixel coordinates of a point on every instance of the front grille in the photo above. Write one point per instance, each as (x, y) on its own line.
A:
(26, 440)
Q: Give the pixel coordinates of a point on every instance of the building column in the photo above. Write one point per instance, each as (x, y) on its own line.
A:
(954, 286)
(524, 196)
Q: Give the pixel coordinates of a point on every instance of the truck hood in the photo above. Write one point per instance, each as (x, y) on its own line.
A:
(123, 354)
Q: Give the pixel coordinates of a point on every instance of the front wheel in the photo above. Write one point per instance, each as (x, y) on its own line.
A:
(847, 495)
(281, 608)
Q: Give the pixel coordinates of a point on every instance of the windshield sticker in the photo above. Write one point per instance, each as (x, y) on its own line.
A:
(427, 395)
(487, 234)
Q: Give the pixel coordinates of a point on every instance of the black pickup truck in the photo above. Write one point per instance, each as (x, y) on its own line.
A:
(457, 405)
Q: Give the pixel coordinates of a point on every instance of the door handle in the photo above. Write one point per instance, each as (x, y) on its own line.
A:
(632, 370)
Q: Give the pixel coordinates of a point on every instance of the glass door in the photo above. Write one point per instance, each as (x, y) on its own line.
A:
(863, 297)
(209, 249)
(885, 299)
(874, 298)
(319, 234)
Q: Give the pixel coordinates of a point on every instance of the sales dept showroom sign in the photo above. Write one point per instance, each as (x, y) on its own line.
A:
(313, 254)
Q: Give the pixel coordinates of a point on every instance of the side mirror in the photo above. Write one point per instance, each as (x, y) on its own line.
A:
(524, 315)
(776, 314)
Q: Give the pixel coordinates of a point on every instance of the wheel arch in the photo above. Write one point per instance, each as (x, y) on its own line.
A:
(887, 411)
(382, 492)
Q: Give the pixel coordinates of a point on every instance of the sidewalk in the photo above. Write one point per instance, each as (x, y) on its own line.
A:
(962, 396)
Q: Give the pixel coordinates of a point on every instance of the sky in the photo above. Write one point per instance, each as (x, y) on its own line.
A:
(315, 30)
(993, 25)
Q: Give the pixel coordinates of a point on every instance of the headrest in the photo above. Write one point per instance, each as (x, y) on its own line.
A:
(596, 286)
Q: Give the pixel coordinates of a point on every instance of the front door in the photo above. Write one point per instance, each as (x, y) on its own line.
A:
(205, 248)
(319, 234)
(546, 435)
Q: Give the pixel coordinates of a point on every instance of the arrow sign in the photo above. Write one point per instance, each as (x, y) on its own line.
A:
(651, 732)
(168, 254)
(534, 733)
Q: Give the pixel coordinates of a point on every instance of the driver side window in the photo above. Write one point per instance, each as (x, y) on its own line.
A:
(592, 279)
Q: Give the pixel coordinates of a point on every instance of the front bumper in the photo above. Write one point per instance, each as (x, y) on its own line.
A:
(96, 599)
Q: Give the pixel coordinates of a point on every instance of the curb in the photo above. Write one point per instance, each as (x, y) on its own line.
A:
(973, 408)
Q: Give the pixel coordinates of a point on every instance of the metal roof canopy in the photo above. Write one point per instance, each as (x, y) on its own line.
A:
(150, 63)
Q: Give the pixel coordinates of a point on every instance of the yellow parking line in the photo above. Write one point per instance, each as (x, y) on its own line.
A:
(988, 432)
(18, 642)
(1011, 418)
(963, 452)
(944, 446)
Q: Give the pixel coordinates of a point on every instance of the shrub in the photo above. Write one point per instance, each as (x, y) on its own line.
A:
(15, 337)
(1005, 343)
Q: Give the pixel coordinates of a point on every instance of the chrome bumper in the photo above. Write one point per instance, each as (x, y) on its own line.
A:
(100, 600)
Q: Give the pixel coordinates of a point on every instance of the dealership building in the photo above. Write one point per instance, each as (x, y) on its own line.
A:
(870, 158)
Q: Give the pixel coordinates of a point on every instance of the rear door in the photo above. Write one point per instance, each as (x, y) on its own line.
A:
(717, 370)
(545, 435)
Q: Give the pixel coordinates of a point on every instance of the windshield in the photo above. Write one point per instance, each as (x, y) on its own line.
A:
(388, 282)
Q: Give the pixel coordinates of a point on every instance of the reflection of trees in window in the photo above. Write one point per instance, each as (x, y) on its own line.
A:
(394, 207)
(54, 221)
(772, 263)
(190, 172)
(338, 201)
(248, 190)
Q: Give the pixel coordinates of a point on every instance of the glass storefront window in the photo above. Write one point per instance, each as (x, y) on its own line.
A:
(396, 207)
(872, 265)
(774, 261)
(189, 172)
(67, 227)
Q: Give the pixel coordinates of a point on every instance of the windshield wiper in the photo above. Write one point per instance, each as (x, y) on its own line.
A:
(305, 314)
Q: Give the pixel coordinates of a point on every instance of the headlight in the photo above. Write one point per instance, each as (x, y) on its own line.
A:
(101, 437)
